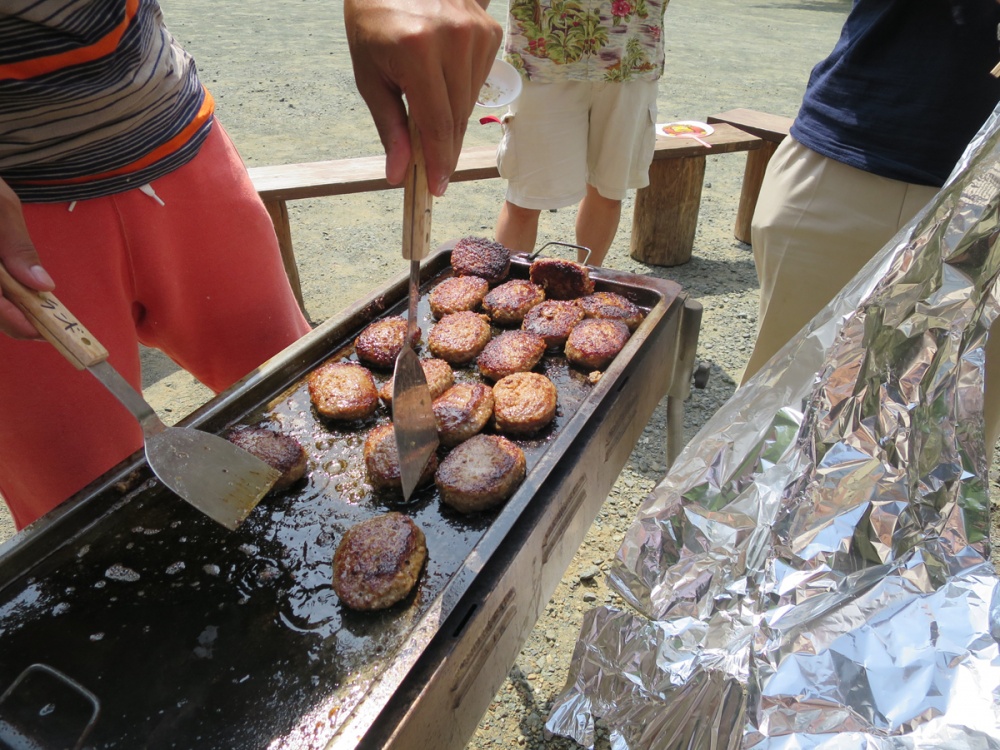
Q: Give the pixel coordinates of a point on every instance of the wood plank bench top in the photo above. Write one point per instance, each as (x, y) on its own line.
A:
(285, 182)
(675, 174)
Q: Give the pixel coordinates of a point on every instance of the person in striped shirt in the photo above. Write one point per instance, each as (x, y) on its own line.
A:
(118, 183)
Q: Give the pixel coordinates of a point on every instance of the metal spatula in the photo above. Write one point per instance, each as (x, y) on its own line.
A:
(216, 477)
(412, 416)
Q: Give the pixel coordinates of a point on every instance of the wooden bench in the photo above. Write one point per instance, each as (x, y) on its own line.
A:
(665, 214)
(772, 130)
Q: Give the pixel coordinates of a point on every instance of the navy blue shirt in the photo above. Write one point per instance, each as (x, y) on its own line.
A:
(906, 87)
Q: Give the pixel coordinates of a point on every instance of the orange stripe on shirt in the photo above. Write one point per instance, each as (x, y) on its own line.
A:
(204, 113)
(21, 71)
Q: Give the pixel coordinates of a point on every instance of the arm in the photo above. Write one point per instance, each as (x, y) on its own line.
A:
(18, 256)
(436, 52)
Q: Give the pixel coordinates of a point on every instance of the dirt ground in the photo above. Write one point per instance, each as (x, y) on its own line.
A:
(282, 79)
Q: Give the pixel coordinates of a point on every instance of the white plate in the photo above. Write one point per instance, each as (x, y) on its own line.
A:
(503, 85)
(685, 129)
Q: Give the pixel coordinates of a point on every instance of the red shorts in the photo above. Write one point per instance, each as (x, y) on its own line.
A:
(199, 278)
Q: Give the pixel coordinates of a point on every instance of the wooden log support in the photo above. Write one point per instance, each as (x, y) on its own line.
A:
(278, 211)
(772, 129)
(665, 217)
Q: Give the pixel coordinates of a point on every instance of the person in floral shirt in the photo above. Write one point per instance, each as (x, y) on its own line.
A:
(582, 130)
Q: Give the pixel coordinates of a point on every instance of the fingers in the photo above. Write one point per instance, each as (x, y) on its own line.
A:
(437, 54)
(20, 260)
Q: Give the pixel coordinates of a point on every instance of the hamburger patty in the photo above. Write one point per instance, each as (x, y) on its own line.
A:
(508, 303)
(343, 391)
(523, 403)
(281, 452)
(457, 294)
(511, 351)
(594, 342)
(459, 337)
(561, 279)
(553, 320)
(478, 256)
(380, 342)
(382, 461)
(378, 562)
(611, 306)
(437, 373)
(462, 411)
(481, 473)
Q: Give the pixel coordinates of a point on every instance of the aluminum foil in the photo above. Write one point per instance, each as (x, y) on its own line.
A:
(814, 570)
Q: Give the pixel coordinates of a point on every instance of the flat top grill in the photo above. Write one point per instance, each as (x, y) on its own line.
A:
(194, 636)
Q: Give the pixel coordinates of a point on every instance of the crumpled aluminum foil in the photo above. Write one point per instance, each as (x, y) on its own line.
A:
(814, 570)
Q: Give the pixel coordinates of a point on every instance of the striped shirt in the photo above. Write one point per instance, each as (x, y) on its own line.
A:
(96, 98)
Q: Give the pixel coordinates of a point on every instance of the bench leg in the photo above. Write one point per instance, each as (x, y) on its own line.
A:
(665, 216)
(753, 177)
(278, 211)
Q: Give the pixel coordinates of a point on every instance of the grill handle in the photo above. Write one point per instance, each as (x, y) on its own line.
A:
(38, 711)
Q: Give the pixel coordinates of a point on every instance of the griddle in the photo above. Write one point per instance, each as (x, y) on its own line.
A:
(192, 636)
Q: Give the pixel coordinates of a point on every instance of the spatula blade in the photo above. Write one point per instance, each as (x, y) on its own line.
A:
(220, 479)
(413, 419)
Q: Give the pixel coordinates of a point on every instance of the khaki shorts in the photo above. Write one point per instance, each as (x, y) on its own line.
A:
(560, 137)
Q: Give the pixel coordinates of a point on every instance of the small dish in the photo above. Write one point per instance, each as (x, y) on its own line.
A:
(503, 85)
(686, 129)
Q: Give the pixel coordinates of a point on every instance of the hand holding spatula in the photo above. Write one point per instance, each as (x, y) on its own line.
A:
(215, 476)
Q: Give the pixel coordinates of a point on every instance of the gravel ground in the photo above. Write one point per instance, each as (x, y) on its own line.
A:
(284, 87)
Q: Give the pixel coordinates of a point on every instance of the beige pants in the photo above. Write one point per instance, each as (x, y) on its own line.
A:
(817, 222)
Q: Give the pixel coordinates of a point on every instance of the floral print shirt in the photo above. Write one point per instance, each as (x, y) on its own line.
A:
(586, 40)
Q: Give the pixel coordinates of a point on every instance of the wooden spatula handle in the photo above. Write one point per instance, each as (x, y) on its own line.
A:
(55, 322)
(417, 200)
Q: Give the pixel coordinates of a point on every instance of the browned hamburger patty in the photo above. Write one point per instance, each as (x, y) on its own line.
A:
(508, 303)
(462, 411)
(378, 562)
(553, 320)
(561, 279)
(459, 337)
(612, 307)
(511, 351)
(343, 391)
(457, 294)
(478, 256)
(379, 344)
(481, 473)
(594, 342)
(281, 452)
(523, 403)
(382, 461)
(438, 374)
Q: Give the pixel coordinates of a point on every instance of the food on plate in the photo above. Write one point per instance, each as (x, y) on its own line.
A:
(508, 303)
(613, 307)
(281, 452)
(561, 279)
(481, 473)
(438, 374)
(378, 562)
(380, 342)
(343, 391)
(523, 403)
(478, 256)
(459, 337)
(457, 294)
(594, 342)
(462, 411)
(553, 320)
(511, 351)
(382, 461)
